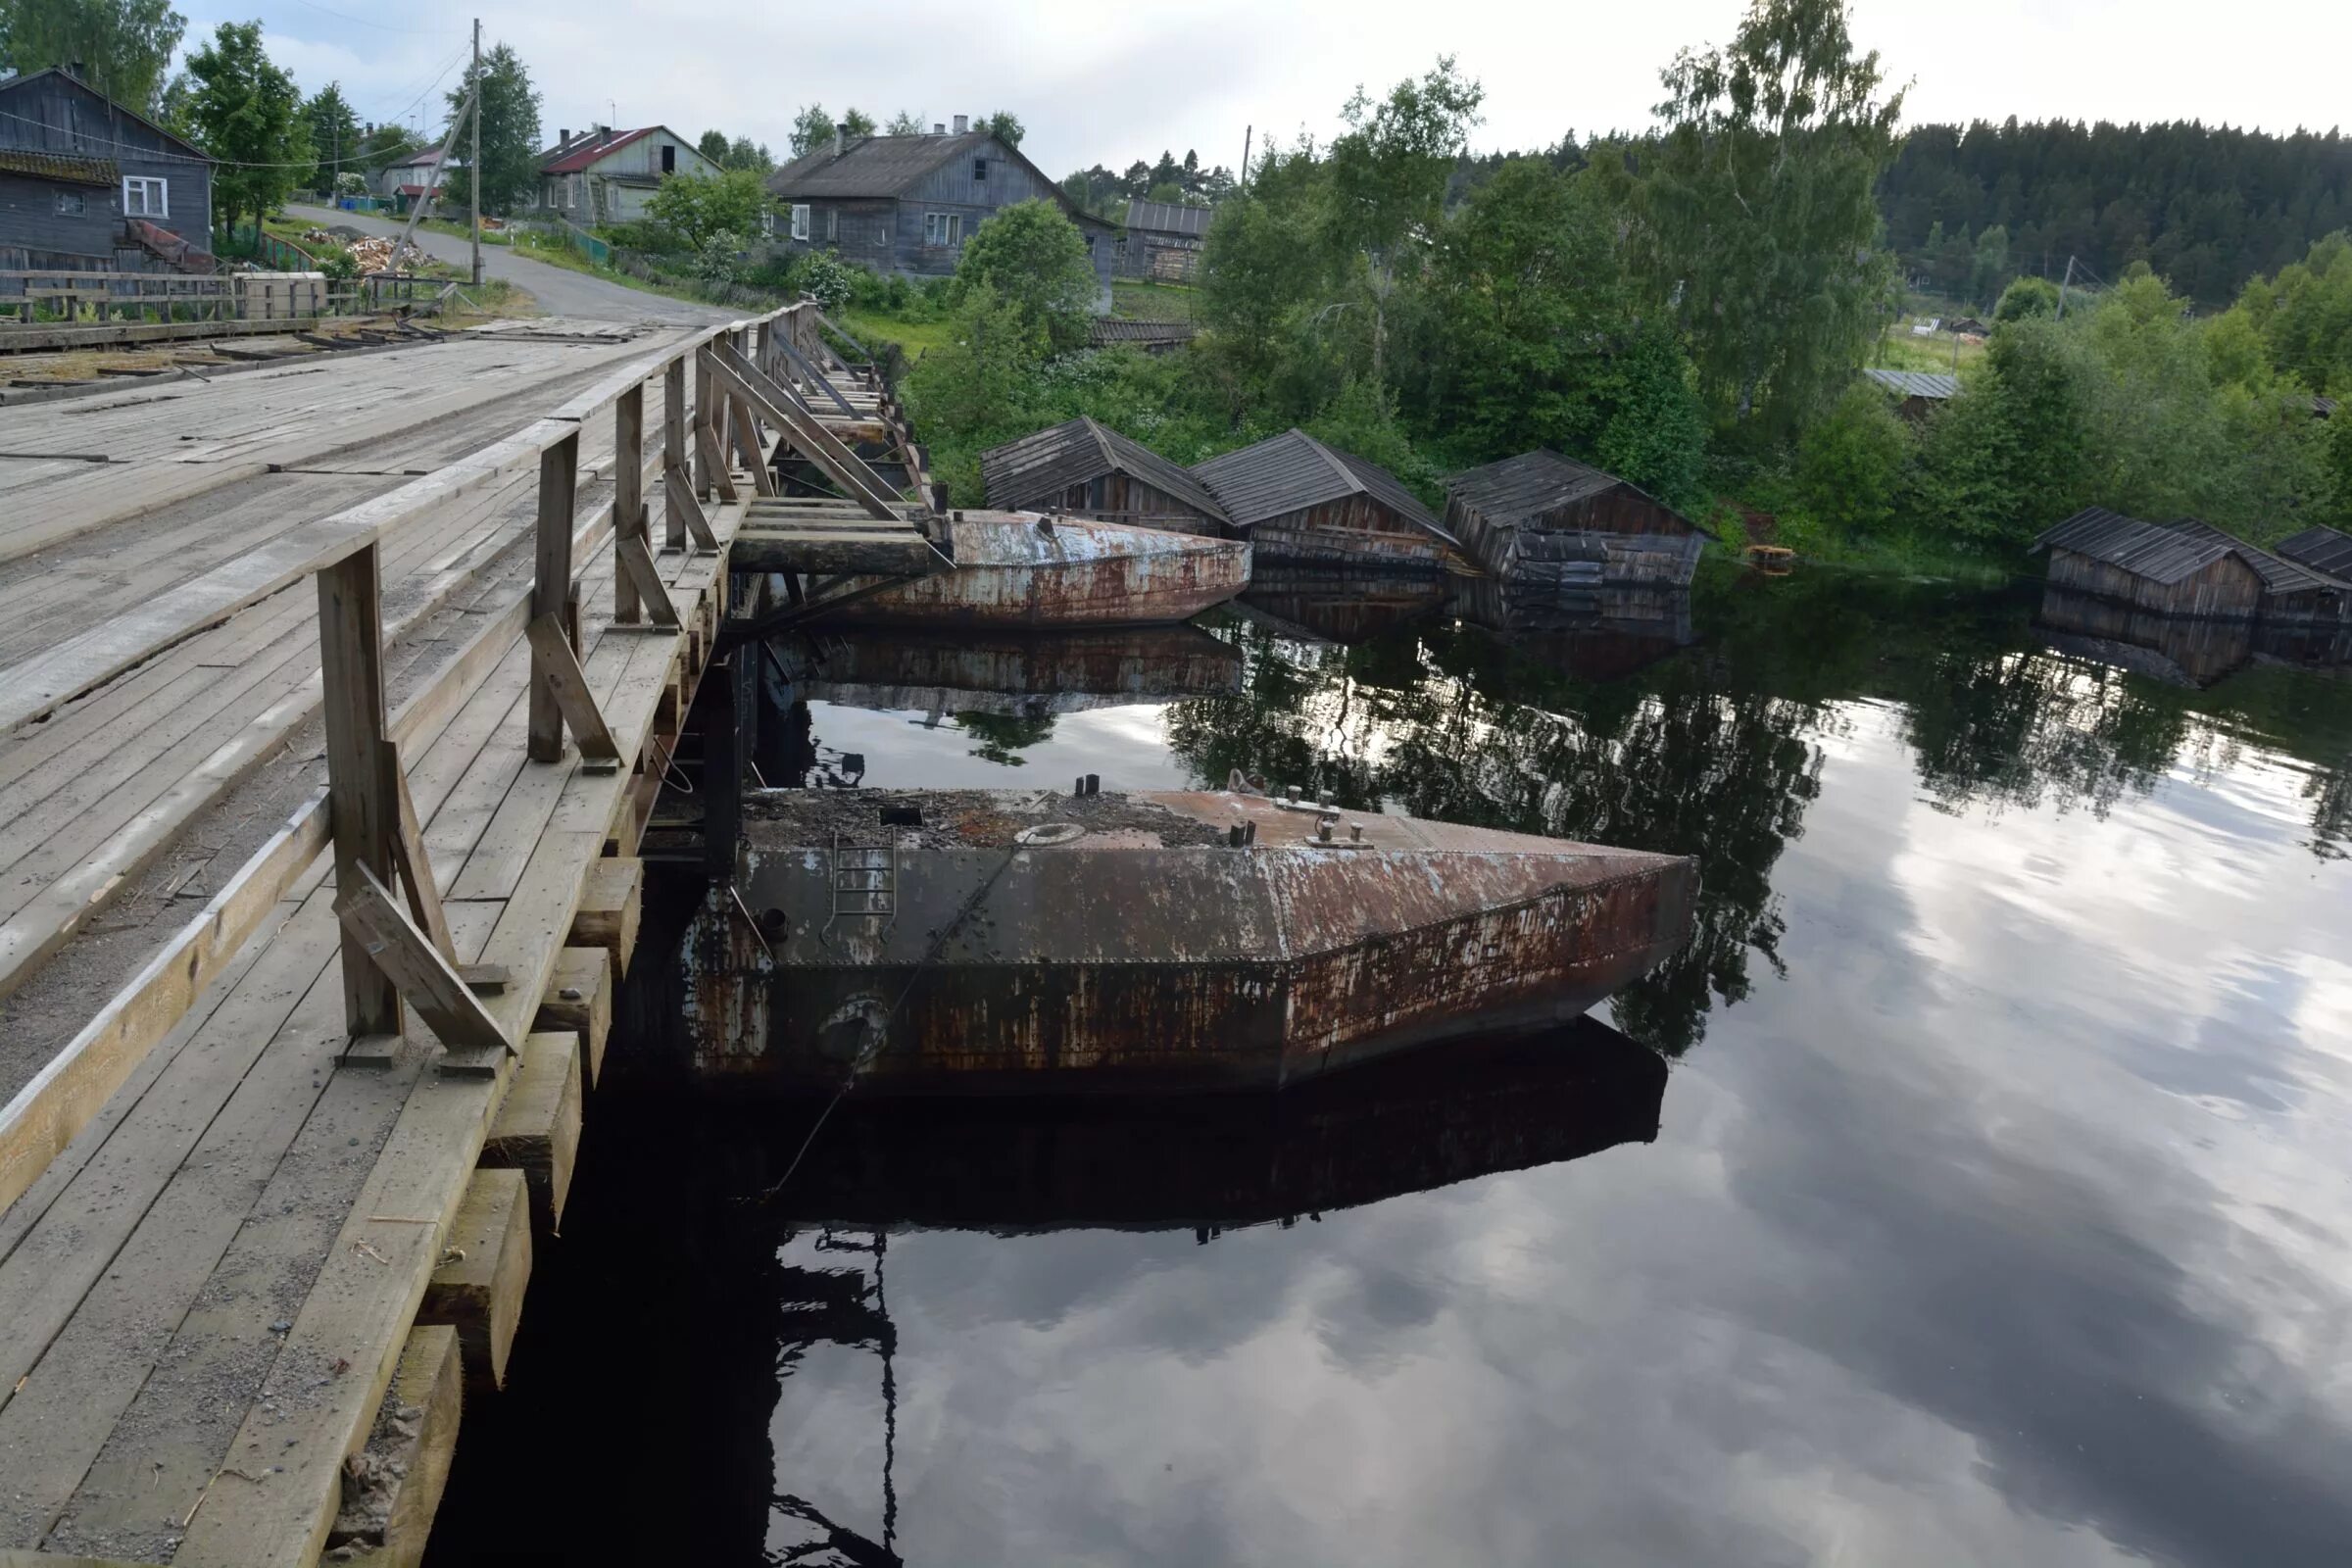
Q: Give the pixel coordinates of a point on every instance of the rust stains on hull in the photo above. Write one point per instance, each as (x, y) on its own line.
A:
(1021, 571)
(1120, 961)
(1011, 672)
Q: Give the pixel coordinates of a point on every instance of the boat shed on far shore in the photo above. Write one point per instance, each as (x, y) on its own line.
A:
(2291, 593)
(1296, 500)
(2172, 572)
(1542, 519)
(2323, 550)
(1916, 391)
(1088, 469)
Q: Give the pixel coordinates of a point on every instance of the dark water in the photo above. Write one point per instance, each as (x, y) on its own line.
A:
(1973, 1189)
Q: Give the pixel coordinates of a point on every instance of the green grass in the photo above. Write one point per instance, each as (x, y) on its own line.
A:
(1133, 299)
(1898, 350)
(872, 327)
(465, 230)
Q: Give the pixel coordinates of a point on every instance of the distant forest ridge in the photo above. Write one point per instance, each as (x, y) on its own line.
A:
(2207, 207)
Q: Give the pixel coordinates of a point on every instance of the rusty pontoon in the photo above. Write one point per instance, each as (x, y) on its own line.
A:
(1026, 572)
(1049, 943)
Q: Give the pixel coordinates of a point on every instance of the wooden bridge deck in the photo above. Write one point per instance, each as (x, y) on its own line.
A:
(239, 1218)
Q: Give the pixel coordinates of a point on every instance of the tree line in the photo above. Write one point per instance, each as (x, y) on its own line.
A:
(1179, 183)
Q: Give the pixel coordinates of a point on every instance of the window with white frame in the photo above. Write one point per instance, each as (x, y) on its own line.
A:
(146, 196)
(799, 219)
(943, 228)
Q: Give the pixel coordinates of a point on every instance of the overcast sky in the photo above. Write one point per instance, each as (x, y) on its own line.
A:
(1110, 84)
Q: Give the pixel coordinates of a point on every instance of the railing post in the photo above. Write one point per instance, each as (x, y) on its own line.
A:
(628, 493)
(705, 418)
(351, 666)
(673, 452)
(551, 584)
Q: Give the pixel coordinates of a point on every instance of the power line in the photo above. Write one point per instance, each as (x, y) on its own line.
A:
(148, 153)
(383, 27)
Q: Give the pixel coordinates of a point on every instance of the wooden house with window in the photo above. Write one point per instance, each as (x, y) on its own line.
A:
(2172, 572)
(1542, 519)
(413, 175)
(906, 204)
(1296, 500)
(1090, 469)
(605, 176)
(87, 184)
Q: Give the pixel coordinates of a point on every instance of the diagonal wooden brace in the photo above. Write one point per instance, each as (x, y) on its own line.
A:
(637, 567)
(746, 442)
(554, 661)
(425, 979)
(415, 874)
(715, 460)
(686, 504)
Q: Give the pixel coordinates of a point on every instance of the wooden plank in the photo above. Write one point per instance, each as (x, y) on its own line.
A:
(809, 433)
(747, 446)
(608, 912)
(478, 1287)
(551, 584)
(405, 954)
(686, 509)
(674, 454)
(408, 858)
(646, 589)
(579, 1000)
(387, 1511)
(558, 673)
(808, 549)
(628, 492)
(362, 813)
(538, 1127)
(714, 461)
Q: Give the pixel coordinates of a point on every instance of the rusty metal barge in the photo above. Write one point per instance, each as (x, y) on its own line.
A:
(1026, 572)
(933, 941)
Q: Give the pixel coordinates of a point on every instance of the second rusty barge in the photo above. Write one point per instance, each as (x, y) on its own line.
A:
(942, 941)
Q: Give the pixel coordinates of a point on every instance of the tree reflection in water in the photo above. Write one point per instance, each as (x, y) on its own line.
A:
(1711, 751)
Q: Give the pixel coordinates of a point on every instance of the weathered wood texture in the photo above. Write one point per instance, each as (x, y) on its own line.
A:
(2227, 589)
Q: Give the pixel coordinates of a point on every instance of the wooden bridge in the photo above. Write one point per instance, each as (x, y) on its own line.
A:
(328, 732)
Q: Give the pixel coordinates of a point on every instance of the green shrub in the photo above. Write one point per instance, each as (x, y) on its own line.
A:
(1852, 461)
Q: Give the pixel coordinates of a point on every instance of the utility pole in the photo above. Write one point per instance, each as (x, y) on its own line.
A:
(2062, 282)
(1244, 183)
(474, 169)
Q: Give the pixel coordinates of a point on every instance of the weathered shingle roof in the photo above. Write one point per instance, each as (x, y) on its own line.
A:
(1917, 383)
(588, 150)
(100, 171)
(2278, 576)
(1168, 217)
(1515, 490)
(1039, 467)
(1104, 329)
(2323, 550)
(2144, 549)
(873, 168)
(1293, 471)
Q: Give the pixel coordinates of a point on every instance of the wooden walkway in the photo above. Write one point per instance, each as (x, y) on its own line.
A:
(275, 1199)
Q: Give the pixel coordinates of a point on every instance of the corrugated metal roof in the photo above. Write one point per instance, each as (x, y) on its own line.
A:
(1040, 468)
(1168, 217)
(2322, 550)
(1107, 330)
(590, 149)
(1293, 471)
(1917, 383)
(101, 172)
(2325, 408)
(1512, 492)
(2144, 549)
(2278, 576)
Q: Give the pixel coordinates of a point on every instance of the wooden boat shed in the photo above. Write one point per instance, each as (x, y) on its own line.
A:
(2327, 551)
(1090, 469)
(1916, 392)
(2169, 571)
(1540, 518)
(1295, 498)
(2293, 594)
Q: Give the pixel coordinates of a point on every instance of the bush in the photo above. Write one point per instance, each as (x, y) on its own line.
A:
(338, 264)
(1033, 258)
(827, 279)
(1851, 461)
(2026, 298)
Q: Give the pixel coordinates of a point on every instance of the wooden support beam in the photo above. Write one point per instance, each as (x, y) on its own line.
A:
(385, 1522)
(556, 670)
(637, 568)
(628, 492)
(607, 916)
(746, 437)
(809, 433)
(721, 787)
(579, 1002)
(712, 459)
(701, 453)
(550, 585)
(685, 505)
(538, 1127)
(351, 661)
(409, 857)
(407, 956)
(486, 1267)
(815, 377)
(674, 454)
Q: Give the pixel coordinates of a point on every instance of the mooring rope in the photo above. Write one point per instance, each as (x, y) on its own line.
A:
(873, 1046)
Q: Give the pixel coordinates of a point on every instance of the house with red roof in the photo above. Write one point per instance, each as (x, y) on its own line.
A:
(605, 176)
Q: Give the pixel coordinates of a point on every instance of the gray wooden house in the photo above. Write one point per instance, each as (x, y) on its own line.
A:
(1296, 500)
(2109, 556)
(88, 185)
(906, 204)
(1163, 241)
(1544, 521)
(605, 176)
(1093, 472)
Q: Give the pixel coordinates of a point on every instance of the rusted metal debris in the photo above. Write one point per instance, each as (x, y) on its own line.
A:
(1128, 958)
